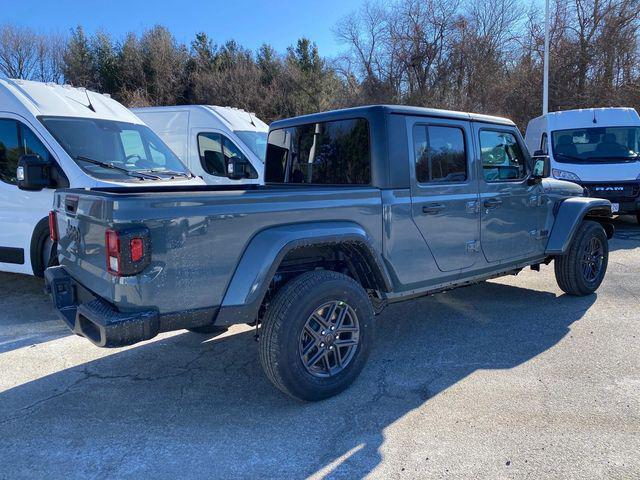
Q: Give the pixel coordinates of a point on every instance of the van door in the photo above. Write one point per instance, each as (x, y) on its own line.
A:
(20, 211)
(512, 209)
(444, 190)
(213, 150)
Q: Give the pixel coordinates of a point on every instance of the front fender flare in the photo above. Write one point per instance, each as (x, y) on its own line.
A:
(264, 254)
(571, 212)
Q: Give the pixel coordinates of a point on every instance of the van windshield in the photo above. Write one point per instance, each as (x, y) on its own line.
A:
(113, 150)
(597, 145)
(256, 141)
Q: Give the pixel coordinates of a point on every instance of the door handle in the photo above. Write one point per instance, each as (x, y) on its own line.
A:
(432, 208)
(492, 203)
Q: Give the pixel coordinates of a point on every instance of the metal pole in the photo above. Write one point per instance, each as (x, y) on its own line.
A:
(545, 81)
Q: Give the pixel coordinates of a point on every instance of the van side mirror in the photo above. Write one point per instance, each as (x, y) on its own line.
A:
(541, 168)
(237, 168)
(33, 173)
(538, 153)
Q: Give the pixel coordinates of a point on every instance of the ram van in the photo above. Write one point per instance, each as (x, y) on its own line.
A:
(210, 139)
(597, 148)
(56, 136)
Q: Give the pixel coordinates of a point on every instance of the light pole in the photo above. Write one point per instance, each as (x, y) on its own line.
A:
(545, 80)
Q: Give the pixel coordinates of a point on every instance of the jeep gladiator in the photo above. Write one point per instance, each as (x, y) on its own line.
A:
(362, 207)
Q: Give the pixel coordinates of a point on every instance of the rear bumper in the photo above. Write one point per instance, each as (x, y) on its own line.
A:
(94, 318)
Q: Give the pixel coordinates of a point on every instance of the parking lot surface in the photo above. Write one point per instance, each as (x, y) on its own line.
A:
(505, 379)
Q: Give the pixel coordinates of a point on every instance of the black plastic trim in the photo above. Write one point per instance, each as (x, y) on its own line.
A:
(12, 255)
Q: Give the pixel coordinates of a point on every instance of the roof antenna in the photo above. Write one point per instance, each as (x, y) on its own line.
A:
(89, 100)
(251, 119)
(594, 116)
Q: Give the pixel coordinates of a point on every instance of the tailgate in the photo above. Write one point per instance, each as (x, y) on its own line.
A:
(82, 220)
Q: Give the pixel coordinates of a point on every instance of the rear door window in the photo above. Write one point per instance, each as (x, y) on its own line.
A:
(440, 154)
(324, 153)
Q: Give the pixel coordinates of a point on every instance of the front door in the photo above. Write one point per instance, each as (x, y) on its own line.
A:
(510, 205)
(444, 191)
(20, 210)
(214, 150)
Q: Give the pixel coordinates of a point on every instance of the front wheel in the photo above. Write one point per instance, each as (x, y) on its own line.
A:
(581, 269)
(316, 335)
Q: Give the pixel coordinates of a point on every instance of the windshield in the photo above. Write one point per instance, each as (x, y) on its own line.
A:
(108, 149)
(256, 141)
(596, 145)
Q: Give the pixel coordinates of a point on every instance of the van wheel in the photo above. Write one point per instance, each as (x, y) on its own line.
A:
(581, 270)
(316, 335)
(42, 249)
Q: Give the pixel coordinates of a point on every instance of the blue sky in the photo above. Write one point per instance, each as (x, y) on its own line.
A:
(250, 22)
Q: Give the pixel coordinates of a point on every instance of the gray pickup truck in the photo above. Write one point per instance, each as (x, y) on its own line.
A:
(362, 207)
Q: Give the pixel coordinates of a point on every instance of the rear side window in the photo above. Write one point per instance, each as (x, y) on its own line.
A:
(325, 153)
(502, 157)
(440, 154)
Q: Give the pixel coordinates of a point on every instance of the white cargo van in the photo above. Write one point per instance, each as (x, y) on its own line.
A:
(598, 148)
(56, 136)
(207, 139)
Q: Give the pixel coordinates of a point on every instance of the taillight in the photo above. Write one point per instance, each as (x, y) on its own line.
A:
(128, 251)
(114, 260)
(53, 226)
(136, 245)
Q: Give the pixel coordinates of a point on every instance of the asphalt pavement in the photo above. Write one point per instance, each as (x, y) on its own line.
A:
(505, 379)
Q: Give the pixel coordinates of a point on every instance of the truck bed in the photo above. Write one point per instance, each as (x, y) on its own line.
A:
(197, 235)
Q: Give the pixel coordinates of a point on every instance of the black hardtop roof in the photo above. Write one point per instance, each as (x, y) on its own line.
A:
(375, 110)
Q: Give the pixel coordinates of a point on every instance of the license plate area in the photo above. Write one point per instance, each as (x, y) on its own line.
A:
(615, 207)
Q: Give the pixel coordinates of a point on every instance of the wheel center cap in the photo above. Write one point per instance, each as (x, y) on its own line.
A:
(328, 339)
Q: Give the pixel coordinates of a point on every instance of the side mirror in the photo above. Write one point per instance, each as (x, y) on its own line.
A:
(237, 168)
(33, 173)
(538, 153)
(541, 168)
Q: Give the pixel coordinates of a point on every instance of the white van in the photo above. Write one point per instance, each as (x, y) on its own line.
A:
(207, 137)
(598, 148)
(56, 136)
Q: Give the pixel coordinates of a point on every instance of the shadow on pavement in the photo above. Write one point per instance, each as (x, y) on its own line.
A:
(195, 406)
(627, 234)
(27, 316)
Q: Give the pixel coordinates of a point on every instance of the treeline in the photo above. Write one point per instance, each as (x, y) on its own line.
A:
(483, 56)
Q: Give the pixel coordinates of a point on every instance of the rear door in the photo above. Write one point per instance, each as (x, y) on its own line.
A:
(444, 190)
(512, 209)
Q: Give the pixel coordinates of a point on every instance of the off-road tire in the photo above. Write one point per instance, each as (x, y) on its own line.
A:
(568, 267)
(285, 320)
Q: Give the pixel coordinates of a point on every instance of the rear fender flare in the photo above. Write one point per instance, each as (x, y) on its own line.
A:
(570, 214)
(265, 252)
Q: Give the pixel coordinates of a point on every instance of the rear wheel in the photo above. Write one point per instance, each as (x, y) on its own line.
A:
(316, 335)
(581, 270)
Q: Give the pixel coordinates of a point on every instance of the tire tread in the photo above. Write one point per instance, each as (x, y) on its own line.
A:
(566, 266)
(276, 317)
